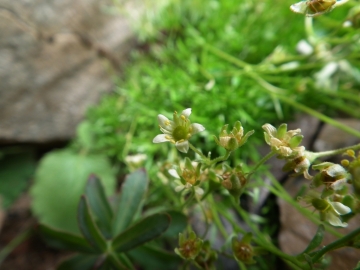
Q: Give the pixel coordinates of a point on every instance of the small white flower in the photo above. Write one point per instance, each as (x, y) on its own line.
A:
(284, 142)
(178, 131)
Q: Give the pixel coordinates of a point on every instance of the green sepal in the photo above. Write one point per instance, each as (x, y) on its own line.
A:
(132, 192)
(141, 232)
(88, 227)
(317, 239)
(99, 204)
(295, 141)
(64, 240)
(281, 131)
(246, 137)
(188, 164)
(79, 262)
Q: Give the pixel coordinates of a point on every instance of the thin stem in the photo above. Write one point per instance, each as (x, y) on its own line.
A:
(279, 91)
(261, 162)
(192, 195)
(222, 158)
(197, 151)
(263, 241)
(334, 152)
(342, 242)
(280, 192)
(309, 29)
(21, 237)
(216, 217)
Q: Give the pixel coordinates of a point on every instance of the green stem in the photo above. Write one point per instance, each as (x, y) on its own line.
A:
(222, 158)
(261, 162)
(264, 242)
(342, 242)
(280, 192)
(21, 237)
(216, 217)
(199, 153)
(279, 91)
(192, 195)
(333, 152)
(309, 29)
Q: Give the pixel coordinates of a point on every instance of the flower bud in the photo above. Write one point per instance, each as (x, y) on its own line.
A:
(242, 250)
(189, 248)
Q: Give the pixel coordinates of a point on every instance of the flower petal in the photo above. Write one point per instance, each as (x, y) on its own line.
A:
(160, 138)
(186, 112)
(179, 188)
(269, 129)
(196, 128)
(340, 208)
(199, 191)
(182, 147)
(165, 123)
(174, 173)
(334, 220)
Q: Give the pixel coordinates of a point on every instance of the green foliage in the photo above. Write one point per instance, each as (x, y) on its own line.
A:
(191, 59)
(16, 167)
(59, 182)
(102, 249)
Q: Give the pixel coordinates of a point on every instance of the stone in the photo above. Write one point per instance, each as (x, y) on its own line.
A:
(56, 59)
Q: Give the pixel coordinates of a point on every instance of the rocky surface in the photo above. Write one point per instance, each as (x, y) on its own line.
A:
(56, 59)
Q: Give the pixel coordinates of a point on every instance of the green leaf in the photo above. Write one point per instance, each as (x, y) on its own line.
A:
(119, 261)
(15, 170)
(178, 223)
(79, 262)
(317, 239)
(141, 232)
(59, 182)
(89, 228)
(133, 190)
(150, 257)
(64, 240)
(99, 205)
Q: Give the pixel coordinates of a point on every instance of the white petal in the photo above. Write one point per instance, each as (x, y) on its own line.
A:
(165, 123)
(160, 138)
(174, 173)
(340, 2)
(183, 146)
(179, 188)
(199, 191)
(303, 47)
(196, 128)
(300, 7)
(186, 112)
(271, 130)
(334, 220)
(340, 208)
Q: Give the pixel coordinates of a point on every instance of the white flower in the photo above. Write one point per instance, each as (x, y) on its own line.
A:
(180, 186)
(178, 131)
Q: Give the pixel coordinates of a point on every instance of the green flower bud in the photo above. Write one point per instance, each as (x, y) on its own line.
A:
(190, 247)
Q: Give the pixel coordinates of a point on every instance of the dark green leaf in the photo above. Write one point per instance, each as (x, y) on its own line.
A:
(79, 262)
(132, 192)
(141, 232)
(150, 258)
(178, 223)
(88, 226)
(118, 261)
(317, 239)
(99, 205)
(16, 167)
(64, 240)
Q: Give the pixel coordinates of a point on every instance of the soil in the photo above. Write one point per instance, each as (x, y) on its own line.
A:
(31, 254)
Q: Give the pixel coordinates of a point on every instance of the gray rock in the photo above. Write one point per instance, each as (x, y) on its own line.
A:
(56, 59)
